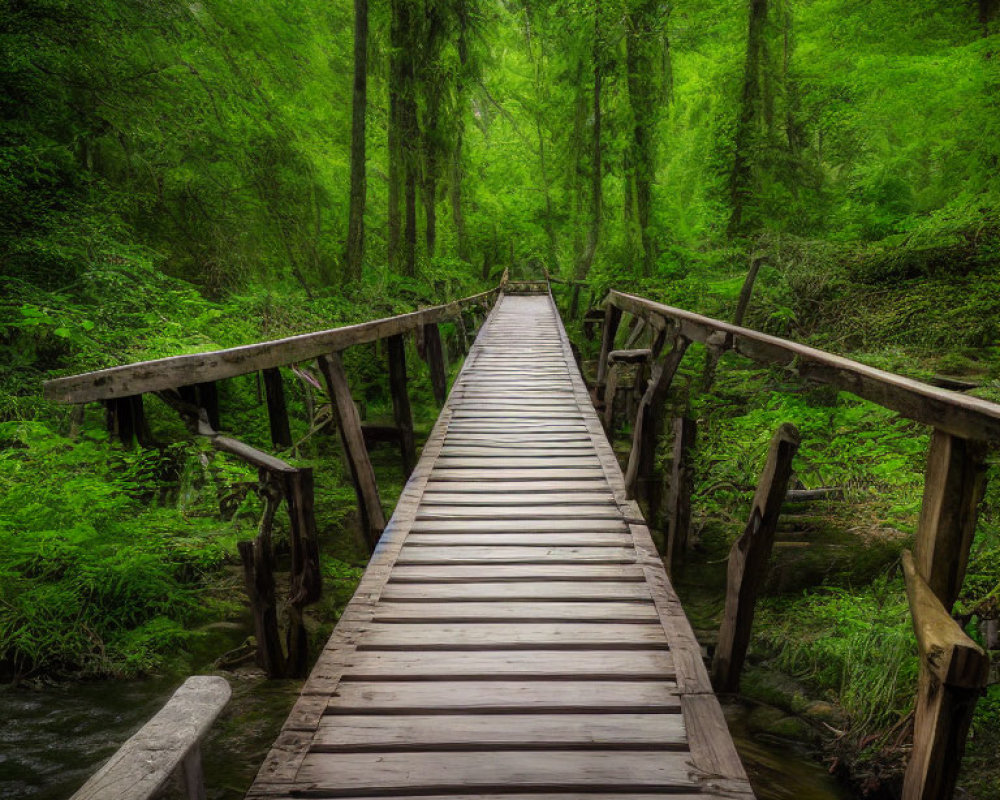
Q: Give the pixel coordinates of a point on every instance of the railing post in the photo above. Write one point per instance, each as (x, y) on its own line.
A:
(748, 561)
(649, 419)
(678, 516)
(208, 399)
(277, 409)
(434, 353)
(369, 503)
(954, 483)
(954, 671)
(401, 401)
(612, 318)
(191, 774)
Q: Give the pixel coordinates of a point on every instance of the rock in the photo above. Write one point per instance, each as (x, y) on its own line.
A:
(775, 722)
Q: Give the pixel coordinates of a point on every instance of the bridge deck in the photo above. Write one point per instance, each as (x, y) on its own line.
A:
(515, 633)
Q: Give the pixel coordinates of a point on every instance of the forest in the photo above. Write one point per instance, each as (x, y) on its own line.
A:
(182, 177)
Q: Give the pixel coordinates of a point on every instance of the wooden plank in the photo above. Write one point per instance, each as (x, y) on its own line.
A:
(496, 512)
(748, 560)
(537, 474)
(513, 611)
(469, 554)
(616, 664)
(415, 733)
(167, 373)
(418, 637)
(439, 500)
(506, 696)
(952, 412)
(518, 525)
(534, 591)
(508, 487)
(147, 760)
(582, 571)
(511, 462)
(525, 770)
(557, 538)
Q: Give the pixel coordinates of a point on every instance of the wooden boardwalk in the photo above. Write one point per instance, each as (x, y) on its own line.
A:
(515, 633)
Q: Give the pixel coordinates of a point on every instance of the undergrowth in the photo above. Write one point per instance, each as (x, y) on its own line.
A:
(111, 558)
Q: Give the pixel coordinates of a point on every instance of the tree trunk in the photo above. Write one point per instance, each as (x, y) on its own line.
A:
(639, 42)
(596, 197)
(741, 183)
(356, 219)
(396, 169)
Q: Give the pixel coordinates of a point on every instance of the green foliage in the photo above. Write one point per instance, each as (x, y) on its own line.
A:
(96, 576)
(857, 643)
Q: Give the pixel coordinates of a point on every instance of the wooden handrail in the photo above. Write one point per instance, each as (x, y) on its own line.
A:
(173, 371)
(168, 742)
(954, 413)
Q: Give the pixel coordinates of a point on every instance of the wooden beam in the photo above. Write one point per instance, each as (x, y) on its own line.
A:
(401, 402)
(958, 414)
(277, 409)
(649, 418)
(748, 561)
(369, 503)
(167, 373)
(954, 484)
(434, 354)
(954, 670)
(144, 764)
(678, 516)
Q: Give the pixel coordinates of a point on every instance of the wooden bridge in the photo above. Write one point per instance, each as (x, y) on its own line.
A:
(515, 633)
(515, 630)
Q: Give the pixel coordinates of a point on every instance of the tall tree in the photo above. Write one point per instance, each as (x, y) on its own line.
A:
(596, 176)
(461, 80)
(643, 23)
(356, 218)
(751, 112)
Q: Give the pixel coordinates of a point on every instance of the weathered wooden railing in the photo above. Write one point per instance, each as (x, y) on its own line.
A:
(188, 384)
(953, 668)
(169, 745)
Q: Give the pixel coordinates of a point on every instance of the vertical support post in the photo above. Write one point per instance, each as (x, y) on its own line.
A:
(208, 399)
(678, 514)
(121, 421)
(610, 390)
(612, 318)
(649, 419)
(306, 582)
(401, 401)
(191, 774)
(258, 575)
(748, 560)
(954, 484)
(369, 503)
(954, 670)
(277, 410)
(434, 354)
